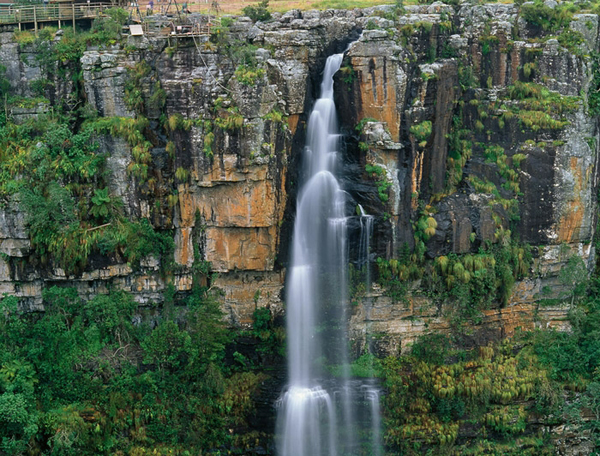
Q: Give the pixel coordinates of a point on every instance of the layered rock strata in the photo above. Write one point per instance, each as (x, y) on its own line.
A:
(434, 67)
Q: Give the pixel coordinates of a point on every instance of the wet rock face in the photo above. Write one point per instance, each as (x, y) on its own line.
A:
(441, 140)
(432, 91)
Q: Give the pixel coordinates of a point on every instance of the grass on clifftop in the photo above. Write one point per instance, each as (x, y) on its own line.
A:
(346, 4)
(236, 6)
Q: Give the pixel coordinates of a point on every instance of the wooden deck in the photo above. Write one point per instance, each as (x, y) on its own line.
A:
(64, 13)
(60, 13)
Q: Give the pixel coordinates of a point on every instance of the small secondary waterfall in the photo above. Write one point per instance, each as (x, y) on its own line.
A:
(372, 396)
(364, 250)
(317, 417)
(370, 391)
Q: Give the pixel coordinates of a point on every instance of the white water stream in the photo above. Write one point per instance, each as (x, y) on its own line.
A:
(313, 421)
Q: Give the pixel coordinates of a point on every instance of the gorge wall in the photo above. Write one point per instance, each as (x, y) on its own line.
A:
(465, 128)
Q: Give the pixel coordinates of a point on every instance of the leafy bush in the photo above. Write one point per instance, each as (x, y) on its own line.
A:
(432, 348)
(258, 12)
(573, 355)
(547, 18)
(24, 37)
(594, 91)
(82, 378)
(104, 206)
(17, 422)
(383, 184)
(248, 75)
(422, 132)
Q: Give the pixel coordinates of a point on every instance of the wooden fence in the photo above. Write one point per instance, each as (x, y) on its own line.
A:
(52, 12)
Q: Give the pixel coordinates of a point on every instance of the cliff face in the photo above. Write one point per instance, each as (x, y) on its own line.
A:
(463, 88)
(470, 116)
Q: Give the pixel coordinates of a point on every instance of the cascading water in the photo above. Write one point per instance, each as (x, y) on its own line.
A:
(372, 396)
(370, 391)
(307, 419)
(364, 251)
(313, 421)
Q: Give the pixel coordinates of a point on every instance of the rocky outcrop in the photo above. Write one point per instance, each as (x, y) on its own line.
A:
(434, 89)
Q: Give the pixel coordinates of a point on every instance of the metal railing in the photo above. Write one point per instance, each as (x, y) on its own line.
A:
(63, 12)
(52, 12)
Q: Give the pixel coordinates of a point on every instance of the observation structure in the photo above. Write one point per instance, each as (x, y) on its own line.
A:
(26, 16)
(61, 12)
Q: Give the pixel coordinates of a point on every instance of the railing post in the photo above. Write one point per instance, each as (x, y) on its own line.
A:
(73, 11)
(35, 25)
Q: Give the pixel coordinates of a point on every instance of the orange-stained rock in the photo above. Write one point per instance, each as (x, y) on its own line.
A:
(400, 324)
(184, 249)
(293, 122)
(183, 282)
(147, 283)
(241, 248)
(381, 81)
(508, 319)
(243, 204)
(227, 168)
(572, 216)
(377, 101)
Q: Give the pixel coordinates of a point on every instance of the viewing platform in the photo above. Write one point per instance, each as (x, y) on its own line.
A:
(60, 13)
(68, 13)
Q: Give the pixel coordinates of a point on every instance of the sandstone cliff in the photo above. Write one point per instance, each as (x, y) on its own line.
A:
(471, 116)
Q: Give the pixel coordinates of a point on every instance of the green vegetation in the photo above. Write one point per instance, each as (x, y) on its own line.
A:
(82, 379)
(593, 101)
(209, 138)
(538, 107)
(231, 120)
(571, 40)
(459, 151)
(487, 43)
(383, 184)
(178, 122)
(58, 174)
(547, 18)
(349, 75)
(361, 125)
(139, 75)
(494, 392)
(258, 12)
(53, 164)
(275, 116)
(430, 399)
(465, 284)
(422, 132)
(248, 75)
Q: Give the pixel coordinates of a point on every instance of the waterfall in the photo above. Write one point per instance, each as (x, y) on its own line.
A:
(364, 248)
(370, 392)
(372, 396)
(317, 417)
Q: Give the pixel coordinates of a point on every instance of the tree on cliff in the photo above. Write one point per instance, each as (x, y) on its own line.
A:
(258, 12)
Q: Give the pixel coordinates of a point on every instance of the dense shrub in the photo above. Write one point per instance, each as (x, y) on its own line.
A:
(258, 12)
(82, 378)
